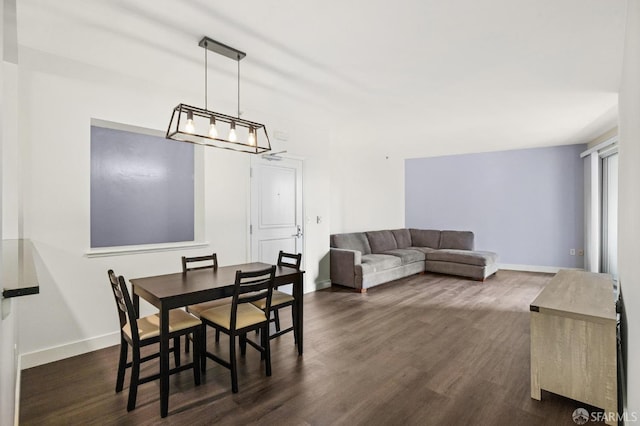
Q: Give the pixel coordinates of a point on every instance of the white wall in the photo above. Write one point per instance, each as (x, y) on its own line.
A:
(8, 316)
(7, 362)
(629, 196)
(74, 312)
(367, 183)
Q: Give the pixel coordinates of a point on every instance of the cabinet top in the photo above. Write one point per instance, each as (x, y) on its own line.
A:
(578, 294)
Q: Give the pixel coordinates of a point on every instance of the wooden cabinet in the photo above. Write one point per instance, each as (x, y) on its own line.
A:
(573, 340)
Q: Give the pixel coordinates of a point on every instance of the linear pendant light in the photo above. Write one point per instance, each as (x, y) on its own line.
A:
(203, 127)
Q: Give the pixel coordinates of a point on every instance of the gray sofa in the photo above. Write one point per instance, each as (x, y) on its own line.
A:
(366, 259)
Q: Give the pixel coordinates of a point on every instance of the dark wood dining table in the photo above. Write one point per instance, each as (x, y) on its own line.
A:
(172, 291)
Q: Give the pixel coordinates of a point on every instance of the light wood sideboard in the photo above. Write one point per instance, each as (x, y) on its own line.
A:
(573, 340)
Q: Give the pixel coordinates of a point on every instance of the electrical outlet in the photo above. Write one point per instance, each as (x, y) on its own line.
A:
(572, 252)
(580, 252)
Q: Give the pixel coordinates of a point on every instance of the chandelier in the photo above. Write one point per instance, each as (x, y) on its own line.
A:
(203, 127)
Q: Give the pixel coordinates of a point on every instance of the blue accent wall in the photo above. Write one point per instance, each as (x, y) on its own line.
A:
(142, 189)
(526, 205)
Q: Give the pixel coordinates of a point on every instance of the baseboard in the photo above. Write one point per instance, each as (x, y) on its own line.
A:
(56, 353)
(533, 268)
(323, 284)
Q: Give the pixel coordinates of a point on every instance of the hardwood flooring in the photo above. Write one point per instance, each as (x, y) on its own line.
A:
(425, 350)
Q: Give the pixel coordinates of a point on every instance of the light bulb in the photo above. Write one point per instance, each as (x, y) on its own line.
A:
(213, 132)
(252, 136)
(189, 127)
(232, 132)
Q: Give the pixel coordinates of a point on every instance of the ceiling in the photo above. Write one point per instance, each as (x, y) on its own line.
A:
(422, 77)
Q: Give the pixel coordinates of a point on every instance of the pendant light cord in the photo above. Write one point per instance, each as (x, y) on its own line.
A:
(239, 86)
(206, 71)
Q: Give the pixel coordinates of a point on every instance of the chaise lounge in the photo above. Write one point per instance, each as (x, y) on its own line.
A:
(365, 259)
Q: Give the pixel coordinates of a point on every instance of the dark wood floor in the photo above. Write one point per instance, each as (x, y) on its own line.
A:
(425, 350)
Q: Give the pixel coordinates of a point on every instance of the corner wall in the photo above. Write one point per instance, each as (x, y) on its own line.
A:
(629, 200)
(9, 365)
(366, 189)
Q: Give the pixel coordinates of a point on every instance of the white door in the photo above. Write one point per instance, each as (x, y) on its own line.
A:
(276, 207)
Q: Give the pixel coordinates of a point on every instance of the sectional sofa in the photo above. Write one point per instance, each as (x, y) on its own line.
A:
(366, 259)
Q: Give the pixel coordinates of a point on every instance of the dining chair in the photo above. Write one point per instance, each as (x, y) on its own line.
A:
(140, 332)
(281, 300)
(193, 264)
(199, 262)
(241, 316)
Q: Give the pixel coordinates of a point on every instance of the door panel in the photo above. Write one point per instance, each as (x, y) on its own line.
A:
(276, 208)
(269, 249)
(277, 197)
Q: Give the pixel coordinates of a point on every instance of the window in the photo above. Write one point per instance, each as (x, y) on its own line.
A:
(142, 187)
(609, 240)
(601, 207)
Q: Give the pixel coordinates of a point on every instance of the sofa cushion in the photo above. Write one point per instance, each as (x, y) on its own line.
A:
(378, 262)
(353, 241)
(425, 238)
(478, 258)
(403, 238)
(424, 250)
(381, 241)
(407, 256)
(458, 240)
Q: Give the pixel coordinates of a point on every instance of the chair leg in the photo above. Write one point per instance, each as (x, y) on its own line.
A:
(203, 349)
(197, 353)
(122, 364)
(264, 336)
(135, 376)
(294, 322)
(176, 350)
(217, 335)
(276, 316)
(186, 343)
(267, 349)
(243, 344)
(234, 365)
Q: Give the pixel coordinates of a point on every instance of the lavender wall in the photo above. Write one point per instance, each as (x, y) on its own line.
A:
(526, 205)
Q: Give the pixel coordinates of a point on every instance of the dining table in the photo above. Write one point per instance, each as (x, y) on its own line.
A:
(177, 290)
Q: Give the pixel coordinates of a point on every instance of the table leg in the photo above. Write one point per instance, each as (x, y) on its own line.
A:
(536, 345)
(298, 292)
(136, 301)
(164, 362)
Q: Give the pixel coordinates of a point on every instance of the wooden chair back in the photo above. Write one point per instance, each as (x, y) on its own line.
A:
(250, 287)
(211, 262)
(126, 311)
(289, 259)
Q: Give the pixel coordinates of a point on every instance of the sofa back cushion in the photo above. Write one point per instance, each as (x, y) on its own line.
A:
(381, 241)
(353, 241)
(403, 238)
(459, 240)
(425, 238)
